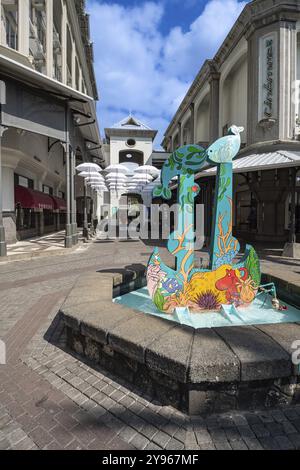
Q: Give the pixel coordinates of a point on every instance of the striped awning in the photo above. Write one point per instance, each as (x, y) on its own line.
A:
(31, 199)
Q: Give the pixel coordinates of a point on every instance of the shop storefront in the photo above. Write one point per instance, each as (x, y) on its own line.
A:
(37, 213)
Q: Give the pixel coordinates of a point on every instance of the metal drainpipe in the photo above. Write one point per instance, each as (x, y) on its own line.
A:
(73, 205)
(85, 232)
(292, 237)
(3, 248)
(68, 237)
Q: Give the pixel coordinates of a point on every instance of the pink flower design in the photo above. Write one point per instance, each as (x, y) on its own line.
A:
(154, 276)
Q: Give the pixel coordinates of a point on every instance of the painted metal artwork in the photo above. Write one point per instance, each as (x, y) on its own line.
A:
(226, 284)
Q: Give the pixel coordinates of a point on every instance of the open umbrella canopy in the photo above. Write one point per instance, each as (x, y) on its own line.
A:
(94, 179)
(89, 167)
(88, 174)
(118, 176)
(117, 169)
(147, 170)
(99, 187)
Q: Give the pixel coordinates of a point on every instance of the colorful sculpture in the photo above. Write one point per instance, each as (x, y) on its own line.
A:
(225, 283)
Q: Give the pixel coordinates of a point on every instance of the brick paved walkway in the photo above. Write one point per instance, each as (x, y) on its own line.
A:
(50, 399)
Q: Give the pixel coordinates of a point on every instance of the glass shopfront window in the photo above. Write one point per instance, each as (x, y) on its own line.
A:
(48, 218)
(246, 211)
(25, 218)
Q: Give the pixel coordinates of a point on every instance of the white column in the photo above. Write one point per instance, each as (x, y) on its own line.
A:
(64, 42)
(80, 79)
(23, 27)
(8, 189)
(2, 29)
(73, 65)
(49, 37)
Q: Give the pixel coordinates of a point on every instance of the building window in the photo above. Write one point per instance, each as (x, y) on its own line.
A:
(23, 181)
(131, 142)
(47, 190)
(9, 23)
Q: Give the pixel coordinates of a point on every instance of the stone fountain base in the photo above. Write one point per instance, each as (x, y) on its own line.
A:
(196, 371)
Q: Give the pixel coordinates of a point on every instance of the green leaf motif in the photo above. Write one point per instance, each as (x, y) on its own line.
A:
(157, 191)
(159, 300)
(253, 266)
(193, 149)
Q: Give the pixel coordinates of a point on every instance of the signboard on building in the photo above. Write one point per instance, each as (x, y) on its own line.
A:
(268, 77)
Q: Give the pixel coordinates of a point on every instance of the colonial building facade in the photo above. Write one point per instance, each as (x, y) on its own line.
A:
(130, 143)
(253, 81)
(48, 120)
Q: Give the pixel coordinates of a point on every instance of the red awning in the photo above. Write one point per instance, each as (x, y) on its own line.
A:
(59, 204)
(30, 199)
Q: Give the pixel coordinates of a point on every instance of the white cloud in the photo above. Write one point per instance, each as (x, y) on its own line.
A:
(140, 70)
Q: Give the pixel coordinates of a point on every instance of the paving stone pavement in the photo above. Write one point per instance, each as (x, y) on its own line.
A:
(51, 399)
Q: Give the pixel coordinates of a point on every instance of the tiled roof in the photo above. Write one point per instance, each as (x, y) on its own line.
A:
(261, 161)
(131, 122)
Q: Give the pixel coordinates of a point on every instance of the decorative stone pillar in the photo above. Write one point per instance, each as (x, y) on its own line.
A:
(49, 38)
(192, 109)
(73, 65)
(23, 27)
(214, 82)
(180, 136)
(64, 42)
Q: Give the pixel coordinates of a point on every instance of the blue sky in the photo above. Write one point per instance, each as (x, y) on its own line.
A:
(147, 53)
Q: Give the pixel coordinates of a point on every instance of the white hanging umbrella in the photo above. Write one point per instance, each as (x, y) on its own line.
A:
(98, 184)
(89, 167)
(94, 180)
(88, 174)
(117, 169)
(117, 176)
(141, 177)
(147, 170)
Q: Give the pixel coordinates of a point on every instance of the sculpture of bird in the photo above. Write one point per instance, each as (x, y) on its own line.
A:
(226, 148)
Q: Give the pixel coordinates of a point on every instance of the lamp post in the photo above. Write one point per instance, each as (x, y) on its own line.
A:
(87, 171)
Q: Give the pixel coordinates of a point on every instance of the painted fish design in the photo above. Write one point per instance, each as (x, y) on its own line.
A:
(185, 160)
